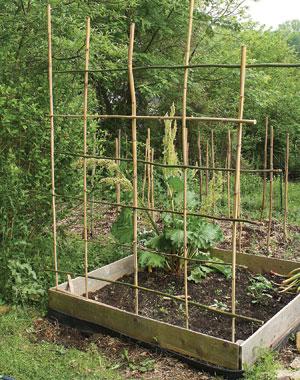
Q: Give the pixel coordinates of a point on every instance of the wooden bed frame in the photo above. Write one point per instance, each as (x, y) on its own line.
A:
(209, 349)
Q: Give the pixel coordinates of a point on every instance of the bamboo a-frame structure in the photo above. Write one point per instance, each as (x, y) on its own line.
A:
(149, 163)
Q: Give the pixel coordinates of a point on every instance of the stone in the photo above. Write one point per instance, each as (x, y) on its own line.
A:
(295, 363)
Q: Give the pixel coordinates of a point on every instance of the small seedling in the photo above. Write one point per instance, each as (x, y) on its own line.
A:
(143, 366)
(259, 289)
(220, 305)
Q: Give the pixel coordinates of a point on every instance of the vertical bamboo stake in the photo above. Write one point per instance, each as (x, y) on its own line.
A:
(145, 171)
(263, 202)
(286, 184)
(52, 144)
(228, 173)
(134, 162)
(207, 171)
(271, 188)
(120, 142)
(237, 184)
(118, 187)
(149, 169)
(85, 108)
(187, 146)
(152, 181)
(200, 164)
(92, 184)
(213, 172)
(184, 146)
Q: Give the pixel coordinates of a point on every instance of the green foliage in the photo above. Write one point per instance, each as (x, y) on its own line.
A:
(215, 189)
(25, 181)
(122, 228)
(259, 289)
(169, 151)
(23, 359)
(200, 272)
(151, 260)
(22, 283)
(200, 235)
(264, 369)
(220, 305)
(142, 366)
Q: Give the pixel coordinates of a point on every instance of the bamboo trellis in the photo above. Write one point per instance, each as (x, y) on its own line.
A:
(149, 163)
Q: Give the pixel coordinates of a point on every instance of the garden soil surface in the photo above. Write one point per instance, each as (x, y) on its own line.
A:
(215, 290)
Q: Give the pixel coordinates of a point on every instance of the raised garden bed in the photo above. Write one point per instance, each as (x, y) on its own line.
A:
(161, 323)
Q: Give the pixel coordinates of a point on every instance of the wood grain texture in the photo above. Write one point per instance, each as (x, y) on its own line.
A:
(257, 264)
(272, 332)
(200, 346)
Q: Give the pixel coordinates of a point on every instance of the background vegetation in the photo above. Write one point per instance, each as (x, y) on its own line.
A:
(220, 27)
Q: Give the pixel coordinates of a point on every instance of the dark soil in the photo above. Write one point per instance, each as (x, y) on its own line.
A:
(211, 291)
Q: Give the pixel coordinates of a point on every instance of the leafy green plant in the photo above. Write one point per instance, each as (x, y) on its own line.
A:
(265, 368)
(259, 289)
(122, 228)
(200, 272)
(152, 260)
(23, 283)
(143, 366)
(220, 305)
(200, 235)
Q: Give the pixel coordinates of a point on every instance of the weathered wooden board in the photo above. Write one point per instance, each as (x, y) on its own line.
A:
(200, 346)
(272, 332)
(111, 271)
(255, 263)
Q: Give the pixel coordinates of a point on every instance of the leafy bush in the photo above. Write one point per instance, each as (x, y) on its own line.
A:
(23, 284)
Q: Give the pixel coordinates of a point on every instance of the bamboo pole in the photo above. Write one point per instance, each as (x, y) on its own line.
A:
(92, 184)
(286, 184)
(228, 173)
(52, 143)
(152, 182)
(237, 185)
(184, 147)
(120, 142)
(118, 187)
(263, 202)
(200, 164)
(196, 66)
(85, 108)
(213, 172)
(162, 294)
(271, 188)
(207, 167)
(204, 119)
(145, 170)
(149, 169)
(134, 159)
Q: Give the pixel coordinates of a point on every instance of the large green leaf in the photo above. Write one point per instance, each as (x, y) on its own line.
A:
(122, 228)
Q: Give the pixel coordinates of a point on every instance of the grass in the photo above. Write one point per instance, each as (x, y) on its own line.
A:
(25, 360)
(265, 368)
